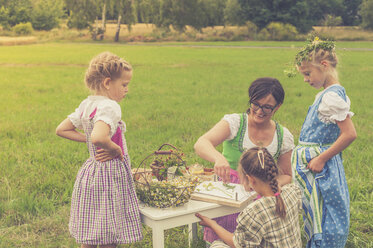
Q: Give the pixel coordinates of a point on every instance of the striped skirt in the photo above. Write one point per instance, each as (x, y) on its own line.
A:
(325, 198)
(104, 208)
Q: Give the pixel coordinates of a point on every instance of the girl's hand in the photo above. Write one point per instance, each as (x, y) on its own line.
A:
(103, 155)
(316, 164)
(222, 169)
(205, 221)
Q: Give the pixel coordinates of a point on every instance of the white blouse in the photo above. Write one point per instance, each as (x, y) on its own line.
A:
(107, 111)
(333, 108)
(234, 121)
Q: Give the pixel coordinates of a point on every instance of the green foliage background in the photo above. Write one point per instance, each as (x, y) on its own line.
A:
(178, 92)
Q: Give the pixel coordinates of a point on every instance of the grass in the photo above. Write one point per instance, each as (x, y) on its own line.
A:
(177, 94)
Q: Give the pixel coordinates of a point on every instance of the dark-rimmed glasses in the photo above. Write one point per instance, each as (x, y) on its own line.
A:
(266, 109)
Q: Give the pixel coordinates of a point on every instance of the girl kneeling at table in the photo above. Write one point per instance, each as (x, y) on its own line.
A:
(270, 221)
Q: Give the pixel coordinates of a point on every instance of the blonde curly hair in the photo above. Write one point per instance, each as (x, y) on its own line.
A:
(104, 65)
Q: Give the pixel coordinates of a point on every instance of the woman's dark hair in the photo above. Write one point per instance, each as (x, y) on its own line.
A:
(258, 162)
(262, 87)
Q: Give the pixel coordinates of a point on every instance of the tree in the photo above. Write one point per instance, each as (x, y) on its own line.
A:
(262, 12)
(350, 15)
(213, 12)
(319, 8)
(233, 13)
(302, 14)
(180, 13)
(4, 14)
(18, 11)
(331, 20)
(126, 14)
(46, 14)
(82, 13)
(165, 14)
(366, 11)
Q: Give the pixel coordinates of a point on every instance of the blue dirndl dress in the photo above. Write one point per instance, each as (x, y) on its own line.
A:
(325, 198)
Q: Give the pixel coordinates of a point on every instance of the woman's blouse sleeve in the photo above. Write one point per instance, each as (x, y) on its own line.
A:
(288, 142)
(109, 112)
(249, 229)
(234, 121)
(334, 108)
(75, 116)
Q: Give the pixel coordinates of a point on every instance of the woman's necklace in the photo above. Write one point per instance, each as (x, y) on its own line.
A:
(261, 140)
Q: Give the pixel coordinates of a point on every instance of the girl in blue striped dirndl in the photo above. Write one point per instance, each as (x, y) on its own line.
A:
(104, 207)
(317, 160)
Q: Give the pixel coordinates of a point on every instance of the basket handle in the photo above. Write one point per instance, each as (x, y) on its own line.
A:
(158, 152)
(166, 144)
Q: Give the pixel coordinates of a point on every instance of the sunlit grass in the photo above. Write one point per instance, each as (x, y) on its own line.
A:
(177, 94)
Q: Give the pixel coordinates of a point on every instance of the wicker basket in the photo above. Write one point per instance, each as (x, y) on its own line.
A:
(155, 187)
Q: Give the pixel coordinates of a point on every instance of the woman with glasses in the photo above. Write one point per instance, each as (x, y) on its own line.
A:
(239, 132)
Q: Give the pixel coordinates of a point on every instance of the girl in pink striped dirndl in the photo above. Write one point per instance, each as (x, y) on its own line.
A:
(104, 207)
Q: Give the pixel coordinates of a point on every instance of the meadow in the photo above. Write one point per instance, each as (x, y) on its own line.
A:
(178, 92)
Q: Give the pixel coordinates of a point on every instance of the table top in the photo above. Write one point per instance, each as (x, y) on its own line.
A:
(190, 207)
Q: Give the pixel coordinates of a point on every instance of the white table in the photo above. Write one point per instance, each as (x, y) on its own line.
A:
(162, 219)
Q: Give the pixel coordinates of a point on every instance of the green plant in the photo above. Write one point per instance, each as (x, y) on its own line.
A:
(23, 28)
(281, 31)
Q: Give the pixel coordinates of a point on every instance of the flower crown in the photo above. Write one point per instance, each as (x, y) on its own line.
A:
(314, 44)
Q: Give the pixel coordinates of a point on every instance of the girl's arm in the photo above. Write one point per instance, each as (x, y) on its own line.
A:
(100, 138)
(67, 130)
(347, 136)
(205, 148)
(284, 164)
(223, 234)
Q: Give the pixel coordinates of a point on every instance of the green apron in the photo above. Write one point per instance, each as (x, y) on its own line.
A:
(232, 149)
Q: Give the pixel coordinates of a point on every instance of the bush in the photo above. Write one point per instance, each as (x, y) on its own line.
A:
(252, 29)
(23, 28)
(78, 22)
(263, 34)
(281, 31)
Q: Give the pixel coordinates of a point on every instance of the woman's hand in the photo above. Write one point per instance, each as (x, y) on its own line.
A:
(103, 155)
(316, 164)
(205, 221)
(222, 169)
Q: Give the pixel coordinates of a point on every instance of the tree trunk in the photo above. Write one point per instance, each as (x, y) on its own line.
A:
(103, 27)
(95, 31)
(118, 29)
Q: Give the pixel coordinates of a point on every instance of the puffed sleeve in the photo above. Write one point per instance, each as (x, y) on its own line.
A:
(234, 121)
(249, 230)
(288, 141)
(75, 116)
(334, 108)
(109, 112)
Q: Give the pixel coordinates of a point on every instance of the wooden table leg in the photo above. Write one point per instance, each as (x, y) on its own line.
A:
(158, 238)
(192, 228)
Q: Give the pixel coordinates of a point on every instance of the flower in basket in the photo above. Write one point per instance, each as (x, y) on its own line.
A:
(171, 185)
(165, 194)
(164, 160)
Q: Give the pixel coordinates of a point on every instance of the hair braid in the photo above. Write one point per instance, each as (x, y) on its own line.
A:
(250, 164)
